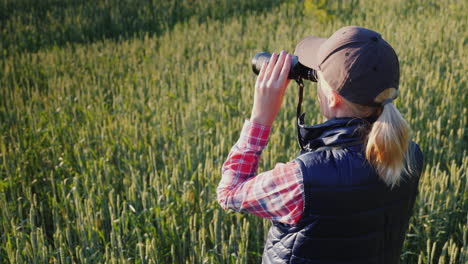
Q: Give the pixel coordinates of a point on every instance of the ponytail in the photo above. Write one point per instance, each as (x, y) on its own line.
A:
(388, 140)
(389, 137)
(387, 144)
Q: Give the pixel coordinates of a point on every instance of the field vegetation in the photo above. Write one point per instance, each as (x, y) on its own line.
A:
(116, 116)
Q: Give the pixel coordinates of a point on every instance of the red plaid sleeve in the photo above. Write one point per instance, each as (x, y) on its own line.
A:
(276, 194)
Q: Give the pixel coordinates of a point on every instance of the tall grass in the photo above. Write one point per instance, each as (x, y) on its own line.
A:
(111, 150)
(27, 25)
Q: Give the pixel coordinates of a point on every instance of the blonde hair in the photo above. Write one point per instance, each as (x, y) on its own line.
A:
(387, 142)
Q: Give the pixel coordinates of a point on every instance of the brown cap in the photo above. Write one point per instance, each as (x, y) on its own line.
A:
(355, 61)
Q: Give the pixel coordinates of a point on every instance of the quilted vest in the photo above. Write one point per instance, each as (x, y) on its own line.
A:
(350, 215)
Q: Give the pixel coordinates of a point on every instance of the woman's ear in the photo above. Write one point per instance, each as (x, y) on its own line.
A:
(334, 100)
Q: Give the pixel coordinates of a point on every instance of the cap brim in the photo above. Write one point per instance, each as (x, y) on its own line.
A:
(307, 50)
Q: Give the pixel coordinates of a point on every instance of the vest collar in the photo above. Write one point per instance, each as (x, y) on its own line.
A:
(334, 132)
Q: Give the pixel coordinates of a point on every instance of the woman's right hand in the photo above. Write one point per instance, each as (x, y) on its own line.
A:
(270, 87)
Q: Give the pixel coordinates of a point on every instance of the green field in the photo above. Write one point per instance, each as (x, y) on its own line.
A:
(116, 117)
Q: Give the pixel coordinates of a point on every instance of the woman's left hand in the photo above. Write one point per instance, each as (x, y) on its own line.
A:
(270, 87)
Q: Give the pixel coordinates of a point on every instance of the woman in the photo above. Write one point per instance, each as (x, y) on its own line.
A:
(348, 197)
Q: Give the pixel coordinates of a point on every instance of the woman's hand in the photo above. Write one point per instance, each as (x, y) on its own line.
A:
(270, 87)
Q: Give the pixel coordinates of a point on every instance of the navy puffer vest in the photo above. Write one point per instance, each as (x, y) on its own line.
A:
(350, 215)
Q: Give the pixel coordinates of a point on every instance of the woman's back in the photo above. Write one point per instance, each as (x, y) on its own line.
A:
(350, 215)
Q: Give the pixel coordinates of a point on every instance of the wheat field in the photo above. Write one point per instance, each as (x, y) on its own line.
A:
(116, 117)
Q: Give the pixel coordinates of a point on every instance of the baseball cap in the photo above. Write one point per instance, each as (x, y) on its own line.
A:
(356, 62)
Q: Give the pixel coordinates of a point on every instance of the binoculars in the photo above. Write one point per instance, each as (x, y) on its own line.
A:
(297, 71)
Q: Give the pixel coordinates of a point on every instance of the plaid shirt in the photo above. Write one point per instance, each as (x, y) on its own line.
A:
(276, 194)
